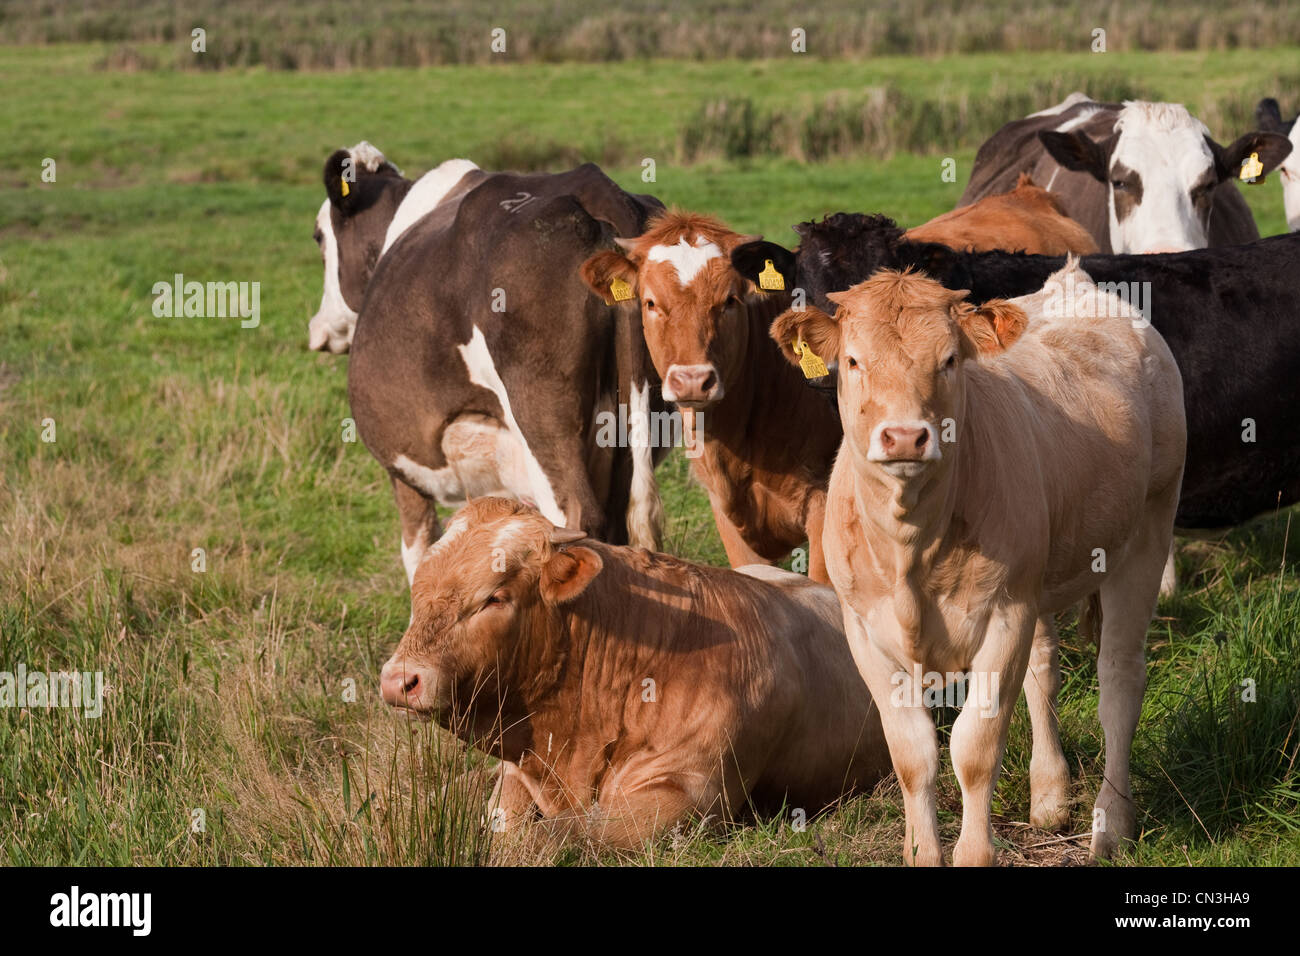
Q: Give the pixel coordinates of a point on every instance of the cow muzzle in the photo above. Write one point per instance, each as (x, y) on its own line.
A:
(410, 687)
(904, 448)
(692, 385)
(327, 335)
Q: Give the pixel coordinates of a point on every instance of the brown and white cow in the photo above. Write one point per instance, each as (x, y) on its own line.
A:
(1268, 116)
(625, 689)
(1000, 462)
(481, 365)
(354, 228)
(765, 440)
(1026, 219)
(1140, 177)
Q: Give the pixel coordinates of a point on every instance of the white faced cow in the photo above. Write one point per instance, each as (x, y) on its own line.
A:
(1140, 177)
(1269, 117)
(369, 204)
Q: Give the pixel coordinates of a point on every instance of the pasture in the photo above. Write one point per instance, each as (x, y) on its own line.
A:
(228, 689)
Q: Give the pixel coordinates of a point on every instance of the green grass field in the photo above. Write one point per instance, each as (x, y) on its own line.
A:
(228, 689)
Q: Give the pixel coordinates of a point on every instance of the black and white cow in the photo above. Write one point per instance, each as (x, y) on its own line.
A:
(368, 205)
(482, 364)
(1268, 115)
(1228, 315)
(1140, 177)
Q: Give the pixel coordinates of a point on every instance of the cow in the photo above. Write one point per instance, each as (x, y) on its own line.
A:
(1000, 462)
(1026, 219)
(624, 690)
(480, 364)
(368, 205)
(1268, 116)
(1141, 177)
(764, 442)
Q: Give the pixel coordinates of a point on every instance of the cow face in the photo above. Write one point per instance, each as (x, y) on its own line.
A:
(1268, 116)
(350, 229)
(900, 340)
(1160, 169)
(482, 605)
(694, 305)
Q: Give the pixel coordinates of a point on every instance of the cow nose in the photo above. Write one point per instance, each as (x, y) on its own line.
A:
(904, 443)
(692, 383)
(398, 684)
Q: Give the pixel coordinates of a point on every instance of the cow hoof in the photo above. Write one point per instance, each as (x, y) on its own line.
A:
(1050, 814)
(974, 853)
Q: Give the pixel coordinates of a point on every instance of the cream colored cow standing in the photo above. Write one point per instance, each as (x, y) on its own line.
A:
(999, 463)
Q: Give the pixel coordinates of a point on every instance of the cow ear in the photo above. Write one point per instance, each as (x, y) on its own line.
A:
(989, 328)
(751, 259)
(604, 270)
(1268, 115)
(567, 573)
(1078, 151)
(334, 168)
(1271, 148)
(811, 326)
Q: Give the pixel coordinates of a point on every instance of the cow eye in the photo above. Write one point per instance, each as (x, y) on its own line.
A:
(950, 362)
(496, 598)
(318, 236)
(853, 363)
(1119, 184)
(733, 301)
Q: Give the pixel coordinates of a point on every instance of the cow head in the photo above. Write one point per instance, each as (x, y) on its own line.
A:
(363, 191)
(694, 304)
(1160, 169)
(484, 611)
(1268, 116)
(901, 340)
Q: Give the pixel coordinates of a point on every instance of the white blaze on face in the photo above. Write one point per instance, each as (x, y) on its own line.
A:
(333, 322)
(1165, 145)
(429, 190)
(686, 258)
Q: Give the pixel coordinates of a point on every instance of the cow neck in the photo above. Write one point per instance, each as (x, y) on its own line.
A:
(771, 400)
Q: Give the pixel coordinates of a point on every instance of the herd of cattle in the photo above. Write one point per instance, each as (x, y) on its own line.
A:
(1011, 430)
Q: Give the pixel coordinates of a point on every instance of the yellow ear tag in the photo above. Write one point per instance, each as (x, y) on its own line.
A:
(809, 362)
(620, 290)
(770, 279)
(345, 186)
(1251, 168)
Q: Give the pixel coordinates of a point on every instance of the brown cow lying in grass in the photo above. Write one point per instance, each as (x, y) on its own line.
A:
(1026, 219)
(625, 689)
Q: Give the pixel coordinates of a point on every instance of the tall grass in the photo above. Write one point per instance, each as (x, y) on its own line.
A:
(883, 120)
(332, 34)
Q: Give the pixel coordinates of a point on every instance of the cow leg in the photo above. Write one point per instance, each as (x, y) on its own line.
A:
(739, 553)
(1049, 775)
(816, 559)
(420, 528)
(1128, 600)
(512, 800)
(979, 735)
(629, 818)
(912, 738)
(1169, 580)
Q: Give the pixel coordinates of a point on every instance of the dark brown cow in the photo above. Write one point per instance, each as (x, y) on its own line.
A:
(624, 689)
(481, 365)
(766, 441)
(1140, 177)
